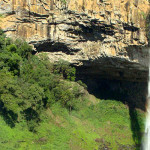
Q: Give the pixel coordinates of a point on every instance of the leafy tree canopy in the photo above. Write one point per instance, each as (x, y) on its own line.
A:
(29, 84)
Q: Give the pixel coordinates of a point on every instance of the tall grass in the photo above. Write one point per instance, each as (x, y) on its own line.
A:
(93, 127)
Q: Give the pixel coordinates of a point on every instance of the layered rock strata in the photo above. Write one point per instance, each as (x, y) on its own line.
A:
(105, 38)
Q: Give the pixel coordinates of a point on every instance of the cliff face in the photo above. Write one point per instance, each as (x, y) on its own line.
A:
(105, 38)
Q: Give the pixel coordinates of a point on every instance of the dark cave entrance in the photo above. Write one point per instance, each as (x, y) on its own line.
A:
(132, 93)
(127, 86)
(128, 92)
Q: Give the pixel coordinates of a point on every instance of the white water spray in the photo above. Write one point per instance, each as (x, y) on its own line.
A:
(146, 142)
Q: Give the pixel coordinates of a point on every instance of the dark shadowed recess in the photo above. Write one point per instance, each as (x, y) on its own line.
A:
(9, 116)
(131, 93)
(48, 46)
(148, 27)
(94, 32)
(130, 27)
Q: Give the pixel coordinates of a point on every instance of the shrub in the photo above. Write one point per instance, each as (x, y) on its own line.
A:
(68, 94)
(82, 84)
(29, 84)
(63, 67)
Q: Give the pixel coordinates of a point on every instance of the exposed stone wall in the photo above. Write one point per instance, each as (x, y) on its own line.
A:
(102, 34)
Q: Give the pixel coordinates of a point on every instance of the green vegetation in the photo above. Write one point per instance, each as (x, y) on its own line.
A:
(29, 84)
(63, 2)
(144, 15)
(42, 107)
(105, 124)
(1, 15)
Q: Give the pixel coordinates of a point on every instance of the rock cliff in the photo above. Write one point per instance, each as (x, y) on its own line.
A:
(104, 38)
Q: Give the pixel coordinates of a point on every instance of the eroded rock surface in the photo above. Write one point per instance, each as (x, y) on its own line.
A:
(105, 38)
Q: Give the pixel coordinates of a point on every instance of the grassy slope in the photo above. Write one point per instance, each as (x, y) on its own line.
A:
(106, 123)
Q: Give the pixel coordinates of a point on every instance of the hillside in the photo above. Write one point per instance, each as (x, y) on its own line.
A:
(94, 127)
(42, 106)
(73, 74)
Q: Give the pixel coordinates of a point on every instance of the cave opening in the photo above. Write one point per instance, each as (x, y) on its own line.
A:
(132, 93)
(49, 46)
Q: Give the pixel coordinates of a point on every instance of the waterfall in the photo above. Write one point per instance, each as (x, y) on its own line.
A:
(146, 140)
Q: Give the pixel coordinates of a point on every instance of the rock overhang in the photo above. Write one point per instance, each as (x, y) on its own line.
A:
(104, 38)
